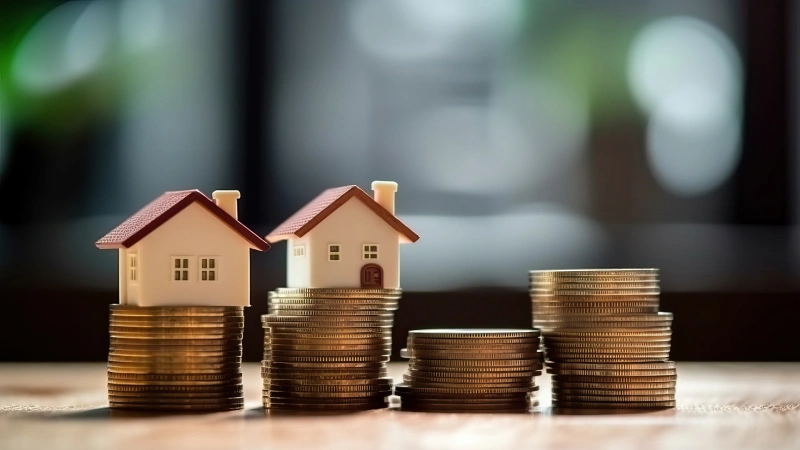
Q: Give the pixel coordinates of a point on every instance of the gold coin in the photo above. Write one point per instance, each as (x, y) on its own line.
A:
(170, 341)
(592, 302)
(613, 366)
(337, 293)
(328, 364)
(598, 333)
(283, 354)
(330, 335)
(158, 346)
(555, 326)
(450, 385)
(531, 367)
(556, 310)
(304, 342)
(610, 341)
(439, 363)
(613, 373)
(328, 327)
(477, 333)
(185, 387)
(331, 302)
(413, 389)
(561, 391)
(230, 406)
(327, 377)
(607, 345)
(174, 310)
(567, 386)
(188, 378)
(230, 391)
(330, 347)
(292, 405)
(482, 348)
(291, 310)
(549, 285)
(595, 272)
(558, 378)
(557, 396)
(433, 342)
(483, 377)
(321, 389)
(280, 320)
(176, 333)
(172, 359)
(174, 369)
(337, 359)
(378, 381)
(187, 399)
(328, 397)
(605, 405)
(586, 292)
(605, 351)
(474, 355)
(599, 319)
(172, 354)
(217, 318)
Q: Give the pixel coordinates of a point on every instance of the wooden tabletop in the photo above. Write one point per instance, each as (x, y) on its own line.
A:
(720, 406)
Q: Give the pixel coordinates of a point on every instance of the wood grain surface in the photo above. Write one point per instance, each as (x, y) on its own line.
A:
(720, 406)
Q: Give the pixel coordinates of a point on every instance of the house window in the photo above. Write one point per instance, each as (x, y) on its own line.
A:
(133, 267)
(334, 252)
(299, 251)
(180, 268)
(208, 268)
(370, 251)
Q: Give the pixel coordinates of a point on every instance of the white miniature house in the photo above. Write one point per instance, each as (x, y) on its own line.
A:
(185, 249)
(345, 239)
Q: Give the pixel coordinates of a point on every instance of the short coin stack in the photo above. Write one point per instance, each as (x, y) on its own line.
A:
(470, 370)
(175, 358)
(327, 349)
(606, 343)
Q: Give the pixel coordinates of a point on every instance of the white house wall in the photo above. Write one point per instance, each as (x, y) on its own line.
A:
(131, 289)
(123, 278)
(351, 226)
(192, 233)
(298, 273)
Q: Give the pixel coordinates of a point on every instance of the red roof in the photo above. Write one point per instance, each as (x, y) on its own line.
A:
(325, 204)
(162, 209)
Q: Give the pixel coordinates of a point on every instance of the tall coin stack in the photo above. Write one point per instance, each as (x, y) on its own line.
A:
(328, 348)
(470, 370)
(606, 343)
(175, 358)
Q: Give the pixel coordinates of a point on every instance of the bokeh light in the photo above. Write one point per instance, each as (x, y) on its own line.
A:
(417, 30)
(141, 24)
(687, 76)
(691, 154)
(65, 45)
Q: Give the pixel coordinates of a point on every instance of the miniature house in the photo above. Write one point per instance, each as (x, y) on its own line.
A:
(345, 239)
(185, 249)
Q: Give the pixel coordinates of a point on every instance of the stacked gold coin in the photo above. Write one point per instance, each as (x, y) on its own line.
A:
(175, 358)
(327, 349)
(470, 370)
(606, 343)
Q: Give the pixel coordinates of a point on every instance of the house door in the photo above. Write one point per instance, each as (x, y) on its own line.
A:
(371, 276)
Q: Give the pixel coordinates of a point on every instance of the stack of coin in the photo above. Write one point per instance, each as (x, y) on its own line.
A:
(327, 349)
(175, 358)
(606, 343)
(470, 370)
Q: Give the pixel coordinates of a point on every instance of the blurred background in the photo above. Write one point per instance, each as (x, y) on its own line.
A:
(523, 135)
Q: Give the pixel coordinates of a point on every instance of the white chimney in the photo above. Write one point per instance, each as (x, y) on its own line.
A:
(384, 194)
(227, 201)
